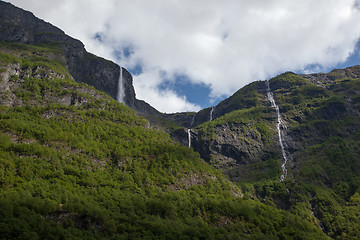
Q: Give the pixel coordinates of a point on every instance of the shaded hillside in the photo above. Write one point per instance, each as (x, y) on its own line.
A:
(19, 26)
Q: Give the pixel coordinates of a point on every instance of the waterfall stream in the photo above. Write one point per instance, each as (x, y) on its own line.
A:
(280, 127)
(189, 130)
(192, 121)
(121, 92)
(189, 136)
(211, 113)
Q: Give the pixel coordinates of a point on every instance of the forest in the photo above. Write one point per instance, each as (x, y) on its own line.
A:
(77, 164)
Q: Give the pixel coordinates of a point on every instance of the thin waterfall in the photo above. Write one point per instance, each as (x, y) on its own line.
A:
(211, 113)
(189, 136)
(189, 130)
(280, 126)
(192, 121)
(121, 90)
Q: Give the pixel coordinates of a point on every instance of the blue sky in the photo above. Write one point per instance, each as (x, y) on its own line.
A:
(352, 60)
(186, 55)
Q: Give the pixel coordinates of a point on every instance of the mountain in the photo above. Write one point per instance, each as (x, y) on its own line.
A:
(19, 26)
(317, 121)
(242, 136)
(315, 108)
(77, 164)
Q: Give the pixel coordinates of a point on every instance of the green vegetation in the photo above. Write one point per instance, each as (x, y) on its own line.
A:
(33, 58)
(76, 164)
(325, 121)
(323, 183)
(250, 126)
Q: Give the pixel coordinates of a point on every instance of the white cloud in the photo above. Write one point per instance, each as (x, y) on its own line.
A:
(166, 100)
(223, 44)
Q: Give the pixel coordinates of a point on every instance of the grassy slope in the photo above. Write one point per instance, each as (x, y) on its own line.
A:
(89, 168)
(325, 121)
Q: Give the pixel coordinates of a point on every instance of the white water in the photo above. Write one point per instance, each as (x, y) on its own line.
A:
(189, 136)
(211, 113)
(189, 130)
(280, 126)
(121, 92)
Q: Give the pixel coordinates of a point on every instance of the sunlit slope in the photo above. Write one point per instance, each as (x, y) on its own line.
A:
(321, 130)
(77, 164)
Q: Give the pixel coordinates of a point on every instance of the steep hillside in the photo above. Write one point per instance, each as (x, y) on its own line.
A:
(19, 26)
(315, 109)
(77, 164)
(320, 132)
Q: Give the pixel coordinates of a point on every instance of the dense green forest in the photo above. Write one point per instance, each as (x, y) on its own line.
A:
(76, 164)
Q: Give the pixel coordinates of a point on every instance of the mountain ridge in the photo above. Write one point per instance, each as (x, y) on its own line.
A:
(19, 26)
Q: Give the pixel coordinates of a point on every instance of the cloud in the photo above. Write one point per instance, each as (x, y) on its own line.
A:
(222, 44)
(166, 100)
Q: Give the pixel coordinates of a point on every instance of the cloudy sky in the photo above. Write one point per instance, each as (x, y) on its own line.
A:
(189, 54)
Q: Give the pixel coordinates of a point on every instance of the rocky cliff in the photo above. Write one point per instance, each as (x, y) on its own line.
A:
(19, 26)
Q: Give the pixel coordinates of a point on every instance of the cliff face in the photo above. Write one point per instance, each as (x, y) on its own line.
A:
(19, 26)
(242, 133)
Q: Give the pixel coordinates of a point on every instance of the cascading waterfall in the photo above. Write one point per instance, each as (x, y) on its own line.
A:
(189, 136)
(121, 90)
(211, 113)
(189, 130)
(280, 126)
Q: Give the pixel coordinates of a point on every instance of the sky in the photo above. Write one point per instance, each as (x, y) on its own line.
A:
(186, 55)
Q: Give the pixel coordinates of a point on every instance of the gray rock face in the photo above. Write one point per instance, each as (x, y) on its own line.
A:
(326, 78)
(226, 149)
(184, 119)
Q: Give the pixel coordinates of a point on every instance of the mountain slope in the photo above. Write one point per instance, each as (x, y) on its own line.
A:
(321, 133)
(77, 164)
(19, 26)
(243, 127)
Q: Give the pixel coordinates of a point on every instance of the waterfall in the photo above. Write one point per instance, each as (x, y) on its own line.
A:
(189, 136)
(192, 121)
(280, 126)
(121, 90)
(189, 130)
(211, 113)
